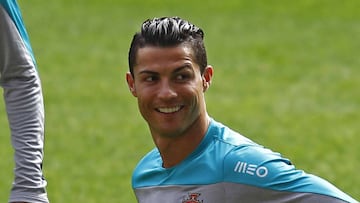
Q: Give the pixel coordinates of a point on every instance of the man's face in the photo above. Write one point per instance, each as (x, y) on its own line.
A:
(169, 88)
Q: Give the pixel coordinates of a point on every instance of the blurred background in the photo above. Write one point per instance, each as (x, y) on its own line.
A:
(286, 76)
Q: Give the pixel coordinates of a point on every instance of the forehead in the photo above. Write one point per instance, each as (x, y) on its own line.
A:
(155, 57)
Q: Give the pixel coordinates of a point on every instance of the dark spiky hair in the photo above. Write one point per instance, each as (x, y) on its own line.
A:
(169, 31)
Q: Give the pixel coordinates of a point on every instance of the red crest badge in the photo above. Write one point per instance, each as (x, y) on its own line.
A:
(193, 198)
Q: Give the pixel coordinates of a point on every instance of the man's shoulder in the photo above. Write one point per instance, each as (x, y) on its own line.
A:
(149, 164)
(254, 163)
(260, 167)
(151, 160)
(241, 149)
(227, 135)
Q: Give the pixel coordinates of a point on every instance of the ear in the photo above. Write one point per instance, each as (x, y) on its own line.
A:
(131, 83)
(207, 76)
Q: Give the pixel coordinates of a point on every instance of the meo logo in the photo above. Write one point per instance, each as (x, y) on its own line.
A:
(251, 169)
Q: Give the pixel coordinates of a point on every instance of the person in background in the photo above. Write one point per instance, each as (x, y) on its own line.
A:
(196, 158)
(24, 105)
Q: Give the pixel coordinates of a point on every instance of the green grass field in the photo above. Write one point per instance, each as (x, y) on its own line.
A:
(286, 75)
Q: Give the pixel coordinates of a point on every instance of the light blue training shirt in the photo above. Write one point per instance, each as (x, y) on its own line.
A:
(229, 168)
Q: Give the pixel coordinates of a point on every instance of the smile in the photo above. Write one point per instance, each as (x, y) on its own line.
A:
(169, 109)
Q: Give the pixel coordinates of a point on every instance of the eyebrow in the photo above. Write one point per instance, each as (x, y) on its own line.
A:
(149, 72)
(185, 66)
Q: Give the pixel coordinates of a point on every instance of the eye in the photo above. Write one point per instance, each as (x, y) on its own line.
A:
(150, 78)
(182, 77)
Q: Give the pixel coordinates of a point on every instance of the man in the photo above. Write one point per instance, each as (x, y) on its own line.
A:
(24, 105)
(196, 158)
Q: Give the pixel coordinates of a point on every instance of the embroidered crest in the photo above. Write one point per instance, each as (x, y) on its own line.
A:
(193, 198)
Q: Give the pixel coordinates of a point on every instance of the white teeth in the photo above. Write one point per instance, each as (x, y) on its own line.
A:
(169, 109)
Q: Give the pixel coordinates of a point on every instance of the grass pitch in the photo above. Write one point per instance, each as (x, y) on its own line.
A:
(286, 76)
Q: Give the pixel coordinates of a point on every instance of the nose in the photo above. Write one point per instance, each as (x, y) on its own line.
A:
(166, 91)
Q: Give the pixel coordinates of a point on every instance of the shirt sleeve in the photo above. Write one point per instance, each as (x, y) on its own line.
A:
(24, 105)
(267, 175)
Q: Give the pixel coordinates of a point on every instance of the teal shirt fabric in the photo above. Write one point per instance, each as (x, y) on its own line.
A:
(14, 13)
(229, 167)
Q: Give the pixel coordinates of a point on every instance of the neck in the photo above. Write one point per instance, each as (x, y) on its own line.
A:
(173, 150)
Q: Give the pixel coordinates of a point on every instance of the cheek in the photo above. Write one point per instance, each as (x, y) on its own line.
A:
(144, 98)
(197, 94)
(143, 107)
(199, 89)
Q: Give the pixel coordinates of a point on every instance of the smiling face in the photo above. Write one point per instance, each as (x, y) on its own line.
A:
(170, 89)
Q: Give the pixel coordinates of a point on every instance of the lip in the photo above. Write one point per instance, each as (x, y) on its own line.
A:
(169, 110)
